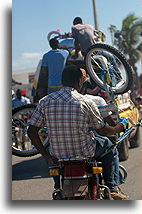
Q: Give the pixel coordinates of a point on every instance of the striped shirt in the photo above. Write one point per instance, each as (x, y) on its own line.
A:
(68, 116)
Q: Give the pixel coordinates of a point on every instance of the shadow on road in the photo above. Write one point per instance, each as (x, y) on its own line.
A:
(30, 169)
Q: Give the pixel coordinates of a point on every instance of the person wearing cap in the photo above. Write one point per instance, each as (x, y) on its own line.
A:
(19, 100)
(24, 92)
(68, 116)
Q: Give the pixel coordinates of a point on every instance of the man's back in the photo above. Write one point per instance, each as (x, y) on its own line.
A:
(55, 60)
(68, 115)
(84, 34)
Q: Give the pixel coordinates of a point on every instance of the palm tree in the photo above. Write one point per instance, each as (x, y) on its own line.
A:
(112, 29)
(128, 39)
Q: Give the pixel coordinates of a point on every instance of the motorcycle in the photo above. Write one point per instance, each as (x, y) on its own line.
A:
(82, 178)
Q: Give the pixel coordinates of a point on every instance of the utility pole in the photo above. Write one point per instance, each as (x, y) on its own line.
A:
(95, 14)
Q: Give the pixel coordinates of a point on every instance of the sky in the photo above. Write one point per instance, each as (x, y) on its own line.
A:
(32, 20)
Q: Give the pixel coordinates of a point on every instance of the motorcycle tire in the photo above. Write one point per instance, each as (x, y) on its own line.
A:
(125, 69)
(21, 144)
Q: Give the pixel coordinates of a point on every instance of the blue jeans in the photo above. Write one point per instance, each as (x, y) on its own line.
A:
(110, 162)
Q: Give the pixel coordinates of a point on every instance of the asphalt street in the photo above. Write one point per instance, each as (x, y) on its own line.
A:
(31, 180)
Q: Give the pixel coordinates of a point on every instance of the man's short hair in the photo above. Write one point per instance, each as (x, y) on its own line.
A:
(54, 43)
(77, 20)
(71, 74)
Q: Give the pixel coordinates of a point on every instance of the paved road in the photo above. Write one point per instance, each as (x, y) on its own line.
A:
(31, 181)
(134, 168)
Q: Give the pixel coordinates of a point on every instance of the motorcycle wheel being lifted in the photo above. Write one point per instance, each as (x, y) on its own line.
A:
(21, 144)
(121, 80)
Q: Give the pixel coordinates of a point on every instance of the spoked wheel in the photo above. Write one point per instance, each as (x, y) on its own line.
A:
(104, 59)
(21, 144)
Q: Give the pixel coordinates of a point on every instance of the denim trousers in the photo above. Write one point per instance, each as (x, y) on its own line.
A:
(110, 163)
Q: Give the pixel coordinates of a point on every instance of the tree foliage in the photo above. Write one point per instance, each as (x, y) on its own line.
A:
(128, 39)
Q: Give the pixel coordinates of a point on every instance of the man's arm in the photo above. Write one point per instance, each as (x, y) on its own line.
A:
(104, 130)
(33, 135)
(109, 130)
(109, 120)
(76, 44)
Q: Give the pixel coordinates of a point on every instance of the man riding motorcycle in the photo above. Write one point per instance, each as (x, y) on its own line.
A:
(68, 116)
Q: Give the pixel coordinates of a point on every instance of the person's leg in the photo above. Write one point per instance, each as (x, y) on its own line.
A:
(118, 179)
(56, 182)
(57, 194)
(109, 162)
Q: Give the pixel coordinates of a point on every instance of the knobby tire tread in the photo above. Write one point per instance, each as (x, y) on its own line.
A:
(123, 60)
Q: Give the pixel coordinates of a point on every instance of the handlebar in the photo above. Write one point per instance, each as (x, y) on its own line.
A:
(122, 137)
